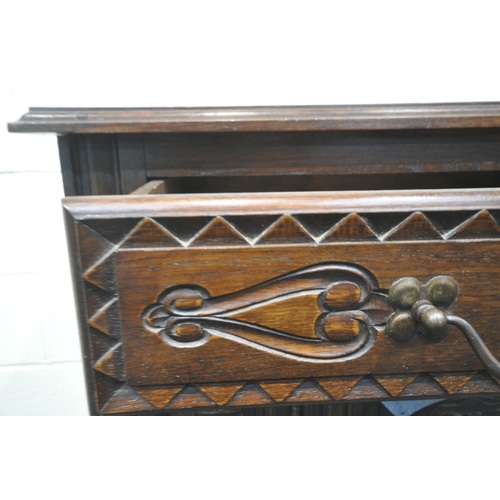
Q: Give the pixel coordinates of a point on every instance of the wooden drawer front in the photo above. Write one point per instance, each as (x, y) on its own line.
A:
(250, 300)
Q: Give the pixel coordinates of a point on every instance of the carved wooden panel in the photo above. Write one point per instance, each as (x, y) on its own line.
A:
(212, 308)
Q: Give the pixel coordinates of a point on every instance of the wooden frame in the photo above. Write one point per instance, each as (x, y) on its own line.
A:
(218, 151)
(446, 224)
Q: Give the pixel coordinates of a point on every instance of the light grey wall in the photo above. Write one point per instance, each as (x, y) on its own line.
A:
(186, 54)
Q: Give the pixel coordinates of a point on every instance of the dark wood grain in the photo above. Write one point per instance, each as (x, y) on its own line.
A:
(335, 152)
(88, 299)
(337, 182)
(90, 164)
(131, 162)
(151, 187)
(104, 207)
(151, 361)
(127, 253)
(95, 164)
(271, 119)
(227, 261)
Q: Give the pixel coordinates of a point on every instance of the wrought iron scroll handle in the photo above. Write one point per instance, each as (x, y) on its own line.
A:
(424, 308)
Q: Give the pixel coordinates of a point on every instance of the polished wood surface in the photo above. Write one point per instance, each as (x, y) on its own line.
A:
(261, 279)
(332, 152)
(114, 151)
(152, 187)
(269, 119)
(276, 203)
(257, 266)
(102, 163)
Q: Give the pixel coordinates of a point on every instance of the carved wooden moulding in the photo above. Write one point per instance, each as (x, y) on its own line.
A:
(206, 307)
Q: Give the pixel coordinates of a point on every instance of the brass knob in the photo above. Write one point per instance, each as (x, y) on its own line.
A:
(433, 319)
(423, 308)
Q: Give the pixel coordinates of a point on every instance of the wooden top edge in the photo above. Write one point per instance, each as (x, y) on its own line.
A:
(259, 119)
(90, 207)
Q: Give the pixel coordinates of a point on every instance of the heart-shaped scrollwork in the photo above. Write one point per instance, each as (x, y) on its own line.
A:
(349, 301)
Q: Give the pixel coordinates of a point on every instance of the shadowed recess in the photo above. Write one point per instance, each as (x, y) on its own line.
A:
(481, 225)
(252, 226)
(184, 228)
(113, 230)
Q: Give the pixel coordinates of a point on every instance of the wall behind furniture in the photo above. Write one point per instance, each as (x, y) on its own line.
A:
(186, 54)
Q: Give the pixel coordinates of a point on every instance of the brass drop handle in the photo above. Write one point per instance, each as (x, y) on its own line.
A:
(424, 308)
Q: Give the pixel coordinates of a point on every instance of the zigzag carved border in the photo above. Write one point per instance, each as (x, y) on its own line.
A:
(297, 228)
(348, 389)
(100, 238)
